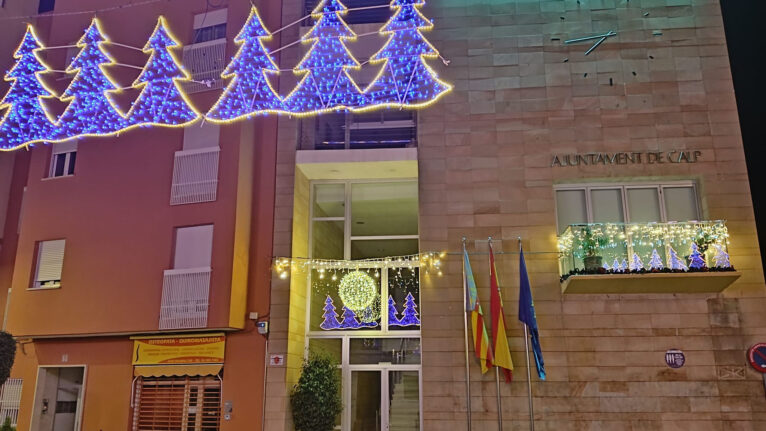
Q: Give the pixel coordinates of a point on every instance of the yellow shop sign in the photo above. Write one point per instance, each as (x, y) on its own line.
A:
(185, 349)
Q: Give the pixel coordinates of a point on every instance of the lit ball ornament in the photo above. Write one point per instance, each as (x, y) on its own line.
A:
(357, 290)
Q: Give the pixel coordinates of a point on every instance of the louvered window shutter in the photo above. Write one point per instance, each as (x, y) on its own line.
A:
(49, 262)
(177, 403)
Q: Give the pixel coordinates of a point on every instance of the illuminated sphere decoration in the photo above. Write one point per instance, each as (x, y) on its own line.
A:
(357, 290)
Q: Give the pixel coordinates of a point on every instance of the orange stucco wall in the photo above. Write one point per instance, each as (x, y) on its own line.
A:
(115, 214)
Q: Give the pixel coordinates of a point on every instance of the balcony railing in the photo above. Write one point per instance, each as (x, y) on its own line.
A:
(10, 400)
(205, 61)
(195, 176)
(631, 254)
(185, 298)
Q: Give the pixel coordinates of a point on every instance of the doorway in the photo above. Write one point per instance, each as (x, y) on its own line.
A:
(58, 399)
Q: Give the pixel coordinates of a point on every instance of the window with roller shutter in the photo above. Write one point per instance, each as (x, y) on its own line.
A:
(50, 260)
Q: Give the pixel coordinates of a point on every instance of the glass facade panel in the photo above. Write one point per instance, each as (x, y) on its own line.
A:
(345, 300)
(328, 240)
(381, 209)
(570, 208)
(644, 205)
(369, 249)
(404, 299)
(329, 200)
(680, 203)
(365, 400)
(606, 205)
(377, 350)
(404, 400)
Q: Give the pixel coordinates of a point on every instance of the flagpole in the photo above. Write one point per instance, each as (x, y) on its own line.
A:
(529, 372)
(467, 356)
(497, 369)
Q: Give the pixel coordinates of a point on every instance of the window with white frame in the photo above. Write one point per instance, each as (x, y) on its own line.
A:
(10, 400)
(63, 159)
(205, 58)
(49, 263)
(626, 203)
(210, 25)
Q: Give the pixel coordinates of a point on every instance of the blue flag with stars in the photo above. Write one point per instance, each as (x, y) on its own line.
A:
(527, 315)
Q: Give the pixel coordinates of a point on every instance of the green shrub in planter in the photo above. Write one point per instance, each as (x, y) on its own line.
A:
(315, 400)
(7, 425)
(7, 355)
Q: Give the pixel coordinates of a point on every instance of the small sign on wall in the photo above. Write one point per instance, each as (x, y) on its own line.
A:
(277, 360)
(675, 358)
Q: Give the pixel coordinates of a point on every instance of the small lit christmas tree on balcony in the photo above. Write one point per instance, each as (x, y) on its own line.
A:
(675, 262)
(695, 258)
(636, 264)
(655, 263)
(721, 258)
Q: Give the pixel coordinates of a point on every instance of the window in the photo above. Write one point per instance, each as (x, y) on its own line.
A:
(379, 11)
(194, 247)
(63, 159)
(627, 203)
(46, 6)
(210, 26)
(50, 259)
(381, 129)
(177, 403)
(10, 400)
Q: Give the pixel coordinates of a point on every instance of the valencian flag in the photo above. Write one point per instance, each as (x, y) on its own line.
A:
(527, 315)
(500, 348)
(480, 338)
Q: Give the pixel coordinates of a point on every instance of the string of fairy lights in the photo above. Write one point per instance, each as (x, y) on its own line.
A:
(325, 84)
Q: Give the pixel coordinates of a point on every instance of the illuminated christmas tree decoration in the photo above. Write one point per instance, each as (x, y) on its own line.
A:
(393, 320)
(249, 92)
(721, 257)
(410, 313)
(695, 258)
(90, 112)
(655, 262)
(349, 320)
(636, 264)
(161, 101)
(358, 291)
(26, 119)
(325, 84)
(405, 80)
(330, 316)
(675, 262)
(616, 267)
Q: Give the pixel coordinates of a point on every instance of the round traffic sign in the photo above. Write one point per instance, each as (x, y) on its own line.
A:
(757, 357)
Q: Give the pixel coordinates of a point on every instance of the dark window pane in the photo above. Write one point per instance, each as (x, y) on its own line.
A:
(209, 33)
(72, 158)
(46, 6)
(58, 169)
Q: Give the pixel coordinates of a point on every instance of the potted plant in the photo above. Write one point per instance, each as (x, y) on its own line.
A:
(315, 400)
(591, 245)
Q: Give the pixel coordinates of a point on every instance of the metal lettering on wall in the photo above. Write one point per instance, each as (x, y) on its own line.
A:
(626, 158)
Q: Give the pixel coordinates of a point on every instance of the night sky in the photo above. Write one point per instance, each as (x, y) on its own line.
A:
(745, 23)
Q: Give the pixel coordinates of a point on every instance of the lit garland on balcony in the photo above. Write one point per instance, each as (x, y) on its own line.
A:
(643, 235)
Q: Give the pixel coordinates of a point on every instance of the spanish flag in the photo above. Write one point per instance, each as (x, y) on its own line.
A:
(480, 339)
(500, 348)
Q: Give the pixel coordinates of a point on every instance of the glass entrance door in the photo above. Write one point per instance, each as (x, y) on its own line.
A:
(383, 397)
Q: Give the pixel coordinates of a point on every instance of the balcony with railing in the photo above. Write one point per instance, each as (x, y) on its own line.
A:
(185, 298)
(688, 257)
(195, 176)
(205, 62)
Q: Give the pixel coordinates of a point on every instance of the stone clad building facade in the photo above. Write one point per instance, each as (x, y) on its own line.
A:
(539, 134)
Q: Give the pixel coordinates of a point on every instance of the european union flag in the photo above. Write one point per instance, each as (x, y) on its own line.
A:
(527, 315)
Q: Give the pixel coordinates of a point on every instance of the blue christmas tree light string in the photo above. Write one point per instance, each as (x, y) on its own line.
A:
(404, 79)
(161, 101)
(91, 111)
(249, 92)
(26, 119)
